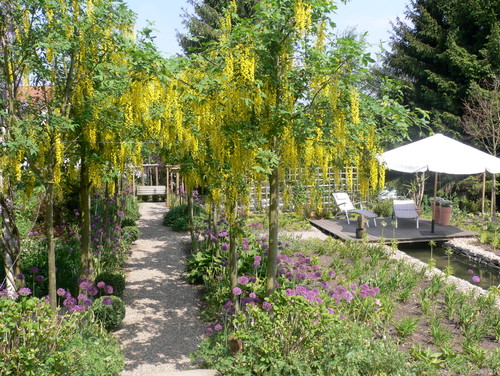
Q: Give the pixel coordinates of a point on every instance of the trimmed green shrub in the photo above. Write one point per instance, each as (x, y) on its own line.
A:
(130, 234)
(176, 213)
(114, 279)
(128, 222)
(109, 310)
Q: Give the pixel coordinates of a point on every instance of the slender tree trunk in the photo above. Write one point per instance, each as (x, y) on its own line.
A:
(49, 229)
(273, 231)
(233, 254)
(85, 231)
(191, 213)
(494, 198)
(10, 242)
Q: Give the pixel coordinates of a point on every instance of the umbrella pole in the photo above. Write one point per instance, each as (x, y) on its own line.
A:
(434, 201)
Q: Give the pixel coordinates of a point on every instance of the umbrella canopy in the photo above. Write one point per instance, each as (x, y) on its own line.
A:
(441, 154)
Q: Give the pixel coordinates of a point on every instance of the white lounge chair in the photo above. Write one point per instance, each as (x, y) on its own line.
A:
(405, 209)
(345, 205)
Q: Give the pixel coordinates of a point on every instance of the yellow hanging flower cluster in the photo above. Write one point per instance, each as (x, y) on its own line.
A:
(303, 15)
(354, 99)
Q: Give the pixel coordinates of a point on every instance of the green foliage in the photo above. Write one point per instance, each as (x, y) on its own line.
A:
(110, 315)
(178, 217)
(406, 326)
(114, 279)
(36, 341)
(300, 338)
(383, 208)
(130, 234)
(98, 352)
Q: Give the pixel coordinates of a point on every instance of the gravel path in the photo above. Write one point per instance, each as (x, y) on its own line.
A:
(162, 325)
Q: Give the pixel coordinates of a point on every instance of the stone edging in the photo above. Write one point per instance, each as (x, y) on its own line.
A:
(466, 248)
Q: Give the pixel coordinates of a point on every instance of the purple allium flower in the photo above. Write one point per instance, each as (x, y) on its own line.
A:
(107, 301)
(245, 240)
(213, 238)
(237, 291)
(476, 279)
(82, 296)
(265, 246)
(101, 284)
(34, 269)
(42, 239)
(331, 273)
(61, 292)
(92, 291)
(209, 331)
(218, 327)
(25, 291)
(84, 285)
(243, 280)
(266, 306)
(222, 234)
(330, 310)
(120, 214)
(224, 246)
(470, 271)
(87, 302)
(39, 278)
(69, 302)
(253, 295)
(108, 289)
(20, 276)
(78, 308)
(342, 317)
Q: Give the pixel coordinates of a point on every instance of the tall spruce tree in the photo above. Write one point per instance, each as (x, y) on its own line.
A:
(443, 48)
(204, 25)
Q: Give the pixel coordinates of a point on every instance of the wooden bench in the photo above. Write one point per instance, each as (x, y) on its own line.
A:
(149, 190)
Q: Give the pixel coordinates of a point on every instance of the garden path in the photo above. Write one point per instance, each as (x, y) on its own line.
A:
(162, 325)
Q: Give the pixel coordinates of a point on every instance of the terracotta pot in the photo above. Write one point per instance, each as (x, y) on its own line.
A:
(444, 215)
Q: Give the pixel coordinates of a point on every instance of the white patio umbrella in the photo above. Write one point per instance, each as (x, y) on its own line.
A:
(440, 154)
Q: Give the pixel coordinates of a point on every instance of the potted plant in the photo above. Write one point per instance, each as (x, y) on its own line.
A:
(445, 208)
(437, 211)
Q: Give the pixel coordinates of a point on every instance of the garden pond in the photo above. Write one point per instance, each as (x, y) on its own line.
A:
(463, 267)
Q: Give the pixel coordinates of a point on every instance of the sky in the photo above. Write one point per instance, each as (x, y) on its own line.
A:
(372, 16)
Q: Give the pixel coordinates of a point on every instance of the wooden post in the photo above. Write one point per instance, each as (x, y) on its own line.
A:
(156, 175)
(484, 195)
(167, 195)
(142, 174)
(434, 201)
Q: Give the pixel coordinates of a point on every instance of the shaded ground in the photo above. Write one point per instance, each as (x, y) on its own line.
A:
(162, 325)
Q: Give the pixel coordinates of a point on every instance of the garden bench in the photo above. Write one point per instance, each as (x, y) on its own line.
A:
(149, 190)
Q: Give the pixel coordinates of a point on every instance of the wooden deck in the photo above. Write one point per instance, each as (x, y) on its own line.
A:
(405, 233)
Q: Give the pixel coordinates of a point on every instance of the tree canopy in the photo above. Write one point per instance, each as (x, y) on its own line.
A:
(441, 49)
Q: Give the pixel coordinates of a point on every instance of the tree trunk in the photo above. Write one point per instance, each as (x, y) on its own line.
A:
(494, 198)
(49, 229)
(191, 213)
(10, 242)
(85, 231)
(273, 231)
(233, 254)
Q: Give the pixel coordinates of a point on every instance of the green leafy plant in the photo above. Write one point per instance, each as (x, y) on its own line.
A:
(130, 234)
(406, 326)
(109, 310)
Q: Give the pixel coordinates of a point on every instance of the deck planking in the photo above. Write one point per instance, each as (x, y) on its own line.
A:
(405, 233)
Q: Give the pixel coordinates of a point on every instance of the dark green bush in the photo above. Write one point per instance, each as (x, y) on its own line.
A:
(114, 279)
(175, 213)
(128, 222)
(110, 315)
(130, 234)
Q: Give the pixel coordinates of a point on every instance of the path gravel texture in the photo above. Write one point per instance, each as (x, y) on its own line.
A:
(162, 325)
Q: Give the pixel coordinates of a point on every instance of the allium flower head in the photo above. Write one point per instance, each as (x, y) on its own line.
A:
(266, 306)
(34, 269)
(476, 279)
(107, 301)
(120, 214)
(243, 280)
(237, 291)
(61, 292)
(85, 285)
(20, 276)
(101, 284)
(218, 327)
(224, 246)
(108, 289)
(39, 278)
(25, 291)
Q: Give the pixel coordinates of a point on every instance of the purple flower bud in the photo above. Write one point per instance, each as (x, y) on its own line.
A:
(20, 276)
(237, 291)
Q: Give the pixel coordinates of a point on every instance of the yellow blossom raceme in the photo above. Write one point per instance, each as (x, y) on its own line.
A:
(354, 98)
(303, 18)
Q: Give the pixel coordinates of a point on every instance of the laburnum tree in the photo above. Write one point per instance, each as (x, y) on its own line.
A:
(70, 69)
(440, 50)
(274, 91)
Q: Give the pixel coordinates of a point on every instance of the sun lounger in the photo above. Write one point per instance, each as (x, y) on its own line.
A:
(347, 207)
(405, 209)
